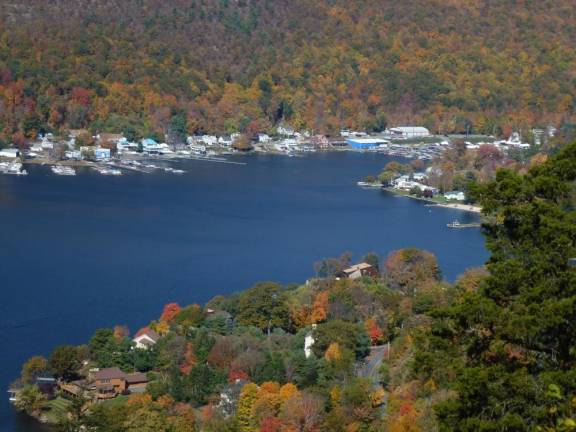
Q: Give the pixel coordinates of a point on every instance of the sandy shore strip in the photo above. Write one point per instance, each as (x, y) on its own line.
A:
(432, 203)
(463, 207)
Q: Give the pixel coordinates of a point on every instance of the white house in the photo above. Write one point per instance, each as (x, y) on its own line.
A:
(9, 153)
(225, 141)
(74, 154)
(263, 138)
(455, 195)
(209, 139)
(47, 145)
(285, 131)
(124, 145)
(145, 338)
(404, 183)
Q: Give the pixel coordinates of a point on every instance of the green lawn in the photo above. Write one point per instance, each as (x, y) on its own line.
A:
(56, 409)
(118, 400)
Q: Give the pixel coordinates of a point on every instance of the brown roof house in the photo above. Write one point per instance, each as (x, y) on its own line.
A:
(359, 270)
(110, 382)
(145, 338)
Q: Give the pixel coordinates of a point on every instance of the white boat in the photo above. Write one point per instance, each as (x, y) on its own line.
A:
(454, 224)
(108, 171)
(114, 172)
(14, 168)
(178, 171)
(63, 170)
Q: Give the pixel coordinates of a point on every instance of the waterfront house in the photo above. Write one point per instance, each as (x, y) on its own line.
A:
(145, 338)
(455, 195)
(209, 139)
(110, 382)
(47, 384)
(263, 138)
(152, 147)
(11, 153)
(124, 145)
(102, 153)
(359, 270)
(74, 154)
(225, 141)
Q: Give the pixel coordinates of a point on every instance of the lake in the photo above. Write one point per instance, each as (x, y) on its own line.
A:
(79, 253)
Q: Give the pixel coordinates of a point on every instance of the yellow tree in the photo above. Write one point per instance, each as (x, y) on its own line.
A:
(245, 414)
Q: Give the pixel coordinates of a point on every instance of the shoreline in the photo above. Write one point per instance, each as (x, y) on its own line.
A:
(454, 206)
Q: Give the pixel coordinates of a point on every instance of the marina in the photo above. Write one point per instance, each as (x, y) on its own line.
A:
(12, 168)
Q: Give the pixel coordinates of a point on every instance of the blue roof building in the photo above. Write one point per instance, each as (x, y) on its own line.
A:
(102, 153)
(364, 143)
(149, 142)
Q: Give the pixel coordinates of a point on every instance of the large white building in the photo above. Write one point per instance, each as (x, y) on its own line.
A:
(409, 131)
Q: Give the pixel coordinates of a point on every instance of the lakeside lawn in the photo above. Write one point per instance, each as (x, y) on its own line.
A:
(57, 409)
(117, 401)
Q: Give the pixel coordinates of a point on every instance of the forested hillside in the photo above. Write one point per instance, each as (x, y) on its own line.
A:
(140, 66)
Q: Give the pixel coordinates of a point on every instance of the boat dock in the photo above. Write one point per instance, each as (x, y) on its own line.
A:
(457, 224)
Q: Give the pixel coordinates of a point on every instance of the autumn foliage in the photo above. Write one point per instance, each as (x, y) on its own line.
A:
(170, 311)
(320, 307)
(375, 333)
(227, 66)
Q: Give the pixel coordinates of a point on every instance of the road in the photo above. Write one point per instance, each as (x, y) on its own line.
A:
(370, 366)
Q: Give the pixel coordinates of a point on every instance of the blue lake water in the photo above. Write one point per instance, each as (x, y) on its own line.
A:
(79, 253)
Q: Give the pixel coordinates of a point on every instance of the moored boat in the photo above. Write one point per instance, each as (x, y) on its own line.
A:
(63, 170)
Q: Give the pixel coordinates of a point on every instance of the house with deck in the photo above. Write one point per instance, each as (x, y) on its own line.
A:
(107, 383)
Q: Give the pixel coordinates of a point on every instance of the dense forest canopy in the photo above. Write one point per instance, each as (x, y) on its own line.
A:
(139, 66)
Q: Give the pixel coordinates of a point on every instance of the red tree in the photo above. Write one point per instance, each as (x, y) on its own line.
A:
(170, 311)
(270, 424)
(374, 331)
